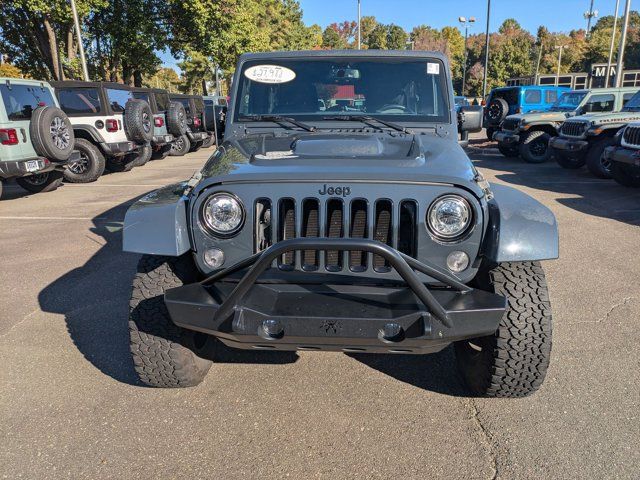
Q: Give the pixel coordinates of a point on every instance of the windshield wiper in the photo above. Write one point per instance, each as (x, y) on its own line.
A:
(367, 119)
(276, 119)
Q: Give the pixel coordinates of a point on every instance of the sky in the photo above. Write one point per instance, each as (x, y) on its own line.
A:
(556, 15)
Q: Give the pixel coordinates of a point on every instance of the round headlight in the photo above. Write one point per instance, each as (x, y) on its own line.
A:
(449, 217)
(223, 214)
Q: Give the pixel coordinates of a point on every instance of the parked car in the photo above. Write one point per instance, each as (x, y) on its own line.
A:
(583, 139)
(624, 156)
(36, 137)
(169, 120)
(460, 102)
(505, 101)
(317, 230)
(111, 127)
(528, 134)
(196, 134)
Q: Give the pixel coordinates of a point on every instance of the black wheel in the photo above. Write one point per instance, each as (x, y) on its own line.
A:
(534, 146)
(508, 151)
(144, 155)
(513, 362)
(569, 161)
(90, 166)
(497, 110)
(625, 174)
(138, 121)
(596, 162)
(176, 119)
(195, 146)
(490, 131)
(180, 146)
(41, 182)
(165, 355)
(51, 133)
(208, 142)
(160, 154)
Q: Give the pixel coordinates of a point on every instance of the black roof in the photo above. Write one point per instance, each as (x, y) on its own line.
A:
(344, 53)
(83, 84)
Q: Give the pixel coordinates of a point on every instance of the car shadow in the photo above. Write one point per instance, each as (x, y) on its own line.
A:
(94, 298)
(577, 189)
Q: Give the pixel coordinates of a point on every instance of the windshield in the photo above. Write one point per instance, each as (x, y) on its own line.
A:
(568, 101)
(633, 105)
(400, 89)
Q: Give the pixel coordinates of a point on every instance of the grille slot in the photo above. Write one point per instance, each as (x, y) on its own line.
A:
(263, 228)
(287, 229)
(310, 228)
(335, 229)
(631, 135)
(382, 231)
(407, 229)
(358, 229)
(573, 129)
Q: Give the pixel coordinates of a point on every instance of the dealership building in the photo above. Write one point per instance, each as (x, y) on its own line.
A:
(595, 78)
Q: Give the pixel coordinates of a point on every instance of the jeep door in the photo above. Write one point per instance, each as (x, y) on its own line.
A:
(18, 103)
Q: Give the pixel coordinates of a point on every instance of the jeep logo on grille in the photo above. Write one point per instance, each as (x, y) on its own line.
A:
(339, 191)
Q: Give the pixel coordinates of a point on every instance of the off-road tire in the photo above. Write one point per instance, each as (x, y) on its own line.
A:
(595, 160)
(209, 141)
(40, 183)
(51, 133)
(569, 161)
(497, 110)
(159, 155)
(195, 146)
(164, 355)
(176, 119)
(138, 121)
(180, 146)
(513, 362)
(144, 155)
(508, 151)
(529, 143)
(490, 131)
(93, 161)
(625, 174)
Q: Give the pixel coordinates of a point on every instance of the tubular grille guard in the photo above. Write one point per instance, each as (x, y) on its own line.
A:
(403, 264)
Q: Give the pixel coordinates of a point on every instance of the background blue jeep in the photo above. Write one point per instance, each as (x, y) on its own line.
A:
(505, 101)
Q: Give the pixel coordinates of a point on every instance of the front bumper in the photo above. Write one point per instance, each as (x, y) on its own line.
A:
(323, 316)
(506, 138)
(622, 155)
(159, 140)
(569, 145)
(198, 136)
(118, 148)
(32, 166)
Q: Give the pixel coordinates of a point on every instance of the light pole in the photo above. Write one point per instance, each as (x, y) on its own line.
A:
(486, 54)
(466, 24)
(559, 48)
(76, 22)
(359, 26)
(535, 77)
(623, 40)
(588, 15)
(613, 40)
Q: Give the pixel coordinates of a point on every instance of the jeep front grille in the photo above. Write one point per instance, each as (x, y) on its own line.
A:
(631, 135)
(286, 218)
(573, 129)
(510, 124)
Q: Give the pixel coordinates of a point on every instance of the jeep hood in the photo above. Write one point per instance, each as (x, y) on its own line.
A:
(541, 117)
(603, 118)
(323, 157)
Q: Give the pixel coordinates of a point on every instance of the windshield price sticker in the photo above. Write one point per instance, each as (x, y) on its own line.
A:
(433, 68)
(269, 74)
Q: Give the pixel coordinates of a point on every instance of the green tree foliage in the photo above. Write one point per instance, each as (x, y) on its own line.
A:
(377, 39)
(164, 77)
(331, 39)
(396, 38)
(368, 23)
(11, 71)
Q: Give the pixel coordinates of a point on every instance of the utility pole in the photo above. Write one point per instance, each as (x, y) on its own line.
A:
(359, 26)
(76, 22)
(560, 48)
(613, 41)
(486, 54)
(623, 40)
(589, 15)
(466, 24)
(535, 77)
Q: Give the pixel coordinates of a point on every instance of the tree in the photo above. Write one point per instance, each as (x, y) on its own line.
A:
(368, 23)
(332, 40)
(166, 78)
(396, 38)
(377, 39)
(11, 71)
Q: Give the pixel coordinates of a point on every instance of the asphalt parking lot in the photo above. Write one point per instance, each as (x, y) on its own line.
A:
(70, 406)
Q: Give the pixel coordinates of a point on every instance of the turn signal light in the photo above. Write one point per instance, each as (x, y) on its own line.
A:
(9, 136)
(112, 125)
(158, 121)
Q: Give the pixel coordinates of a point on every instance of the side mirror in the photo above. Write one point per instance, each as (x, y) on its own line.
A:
(220, 118)
(470, 119)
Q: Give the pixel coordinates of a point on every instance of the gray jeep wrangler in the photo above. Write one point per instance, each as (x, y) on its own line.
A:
(362, 228)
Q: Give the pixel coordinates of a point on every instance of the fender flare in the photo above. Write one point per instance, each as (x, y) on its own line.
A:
(157, 223)
(89, 130)
(520, 228)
